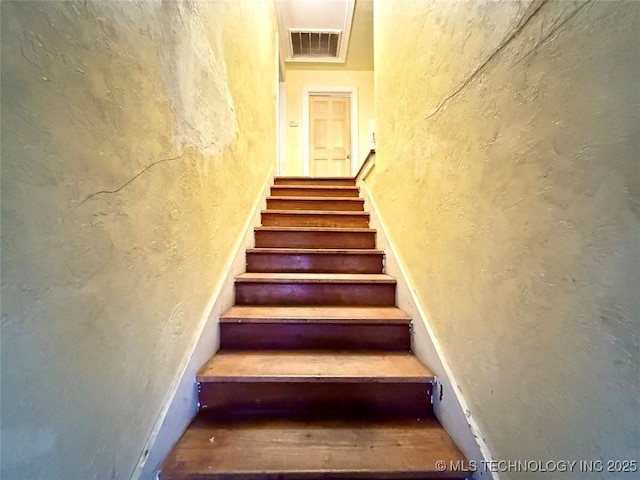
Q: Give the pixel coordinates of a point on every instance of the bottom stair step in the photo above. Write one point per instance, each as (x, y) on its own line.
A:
(257, 449)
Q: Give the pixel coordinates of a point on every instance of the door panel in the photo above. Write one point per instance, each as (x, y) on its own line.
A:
(330, 136)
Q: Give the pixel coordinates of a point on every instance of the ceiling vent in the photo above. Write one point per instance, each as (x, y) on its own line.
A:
(315, 44)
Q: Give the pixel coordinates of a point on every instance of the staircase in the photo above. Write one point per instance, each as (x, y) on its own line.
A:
(314, 378)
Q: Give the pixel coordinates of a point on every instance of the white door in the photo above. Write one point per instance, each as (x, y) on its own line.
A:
(329, 136)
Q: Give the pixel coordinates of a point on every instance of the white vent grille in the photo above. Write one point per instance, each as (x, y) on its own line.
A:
(315, 44)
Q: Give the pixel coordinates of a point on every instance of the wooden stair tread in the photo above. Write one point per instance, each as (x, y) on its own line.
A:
(319, 314)
(296, 259)
(319, 199)
(302, 177)
(315, 278)
(317, 187)
(301, 366)
(315, 237)
(316, 212)
(317, 251)
(315, 218)
(316, 229)
(315, 328)
(315, 190)
(294, 449)
(313, 202)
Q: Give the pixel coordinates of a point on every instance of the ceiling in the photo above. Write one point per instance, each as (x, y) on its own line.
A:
(356, 21)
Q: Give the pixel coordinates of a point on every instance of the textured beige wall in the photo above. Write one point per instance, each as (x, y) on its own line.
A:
(295, 82)
(135, 138)
(508, 173)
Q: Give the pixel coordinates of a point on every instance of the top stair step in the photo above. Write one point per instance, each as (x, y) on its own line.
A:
(322, 181)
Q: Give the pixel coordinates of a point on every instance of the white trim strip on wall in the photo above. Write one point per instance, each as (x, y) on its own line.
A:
(452, 411)
(181, 402)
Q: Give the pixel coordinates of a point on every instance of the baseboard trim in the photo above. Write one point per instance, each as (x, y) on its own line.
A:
(452, 411)
(181, 403)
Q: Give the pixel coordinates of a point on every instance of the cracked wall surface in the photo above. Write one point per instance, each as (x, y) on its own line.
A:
(136, 137)
(508, 174)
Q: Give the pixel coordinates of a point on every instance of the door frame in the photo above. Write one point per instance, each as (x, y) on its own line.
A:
(282, 129)
(281, 109)
(336, 91)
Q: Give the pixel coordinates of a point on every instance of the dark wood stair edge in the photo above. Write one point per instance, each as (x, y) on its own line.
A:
(309, 177)
(340, 213)
(317, 229)
(317, 187)
(315, 251)
(316, 313)
(314, 321)
(317, 199)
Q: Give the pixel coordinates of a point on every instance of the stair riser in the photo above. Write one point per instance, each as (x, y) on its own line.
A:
(274, 239)
(323, 475)
(362, 294)
(314, 398)
(313, 192)
(314, 263)
(302, 336)
(270, 219)
(342, 182)
(354, 205)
